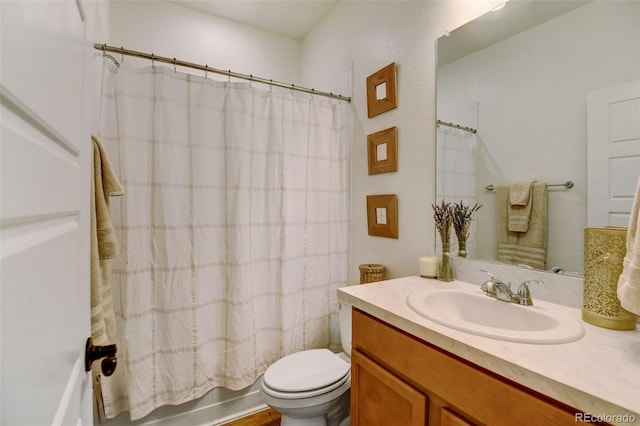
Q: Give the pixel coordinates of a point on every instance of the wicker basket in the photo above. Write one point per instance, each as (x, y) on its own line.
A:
(371, 272)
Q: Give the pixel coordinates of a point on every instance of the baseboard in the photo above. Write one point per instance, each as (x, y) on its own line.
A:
(262, 416)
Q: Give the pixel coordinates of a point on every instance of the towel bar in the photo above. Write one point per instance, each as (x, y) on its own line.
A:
(568, 184)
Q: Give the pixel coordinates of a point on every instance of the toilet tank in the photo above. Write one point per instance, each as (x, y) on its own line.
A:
(345, 327)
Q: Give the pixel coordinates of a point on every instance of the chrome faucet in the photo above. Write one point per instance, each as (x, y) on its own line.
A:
(500, 290)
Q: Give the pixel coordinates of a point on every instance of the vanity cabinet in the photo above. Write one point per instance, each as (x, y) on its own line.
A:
(397, 379)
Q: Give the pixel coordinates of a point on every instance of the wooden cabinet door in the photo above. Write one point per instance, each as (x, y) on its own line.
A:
(448, 418)
(378, 398)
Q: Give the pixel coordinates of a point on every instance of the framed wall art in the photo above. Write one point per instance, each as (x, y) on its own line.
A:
(382, 151)
(382, 215)
(381, 91)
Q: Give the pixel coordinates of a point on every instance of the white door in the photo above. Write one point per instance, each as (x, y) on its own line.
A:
(613, 154)
(45, 154)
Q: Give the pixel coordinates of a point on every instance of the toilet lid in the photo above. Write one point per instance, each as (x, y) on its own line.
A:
(305, 371)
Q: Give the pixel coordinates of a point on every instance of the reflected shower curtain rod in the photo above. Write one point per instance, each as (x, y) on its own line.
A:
(176, 62)
(457, 126)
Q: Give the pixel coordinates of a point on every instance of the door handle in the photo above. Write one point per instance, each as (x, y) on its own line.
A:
(107, 353)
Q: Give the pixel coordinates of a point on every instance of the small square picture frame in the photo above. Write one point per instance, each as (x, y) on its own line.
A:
(382, 151)
(382, 215)
(381, 91)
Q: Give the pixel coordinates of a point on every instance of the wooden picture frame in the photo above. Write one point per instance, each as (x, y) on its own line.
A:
(381, 91)
(382, 151)
(382, 215)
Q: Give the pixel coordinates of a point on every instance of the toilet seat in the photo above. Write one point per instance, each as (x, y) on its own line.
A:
(308, 394)
(305, 374)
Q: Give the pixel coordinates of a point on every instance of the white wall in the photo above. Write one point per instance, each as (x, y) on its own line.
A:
(170, 30)
(367, 36)
(532, 90)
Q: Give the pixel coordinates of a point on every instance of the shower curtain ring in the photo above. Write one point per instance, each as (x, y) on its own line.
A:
(206, 69)
(271, 85)
(153, 65)
(121, 54)
(174, 65)
(251, 80)
(229, 76)
(292, 88)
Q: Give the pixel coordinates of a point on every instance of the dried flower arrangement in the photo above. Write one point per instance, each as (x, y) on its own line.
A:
(443, 217)
(461, 217)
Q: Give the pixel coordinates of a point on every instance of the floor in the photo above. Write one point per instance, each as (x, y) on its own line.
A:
(266, 417)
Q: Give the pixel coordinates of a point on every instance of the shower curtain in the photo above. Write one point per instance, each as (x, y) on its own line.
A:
(233, 231)
(457, 157)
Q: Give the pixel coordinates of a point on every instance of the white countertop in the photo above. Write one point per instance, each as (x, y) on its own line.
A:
(598, 374)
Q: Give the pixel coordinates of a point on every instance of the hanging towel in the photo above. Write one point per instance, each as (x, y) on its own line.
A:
(531, 246)
(506, 239)
(520, 206)
(629, 281)
(104, 245)
(523, 248)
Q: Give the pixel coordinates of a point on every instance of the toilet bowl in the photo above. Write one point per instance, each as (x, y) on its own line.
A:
(311, 388)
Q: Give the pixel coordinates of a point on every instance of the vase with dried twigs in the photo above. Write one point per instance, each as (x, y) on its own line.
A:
(461, 216)
(443, 217)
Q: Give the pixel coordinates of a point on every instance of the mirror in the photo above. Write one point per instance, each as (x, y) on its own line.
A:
(521, 76)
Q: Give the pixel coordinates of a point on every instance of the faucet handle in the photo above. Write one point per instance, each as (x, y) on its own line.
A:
(495, 279)
(523, 293)
(488, 285)
(489, 273)
(526, 283)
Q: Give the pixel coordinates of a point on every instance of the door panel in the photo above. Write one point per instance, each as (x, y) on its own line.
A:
(613, 154)
(45, 155)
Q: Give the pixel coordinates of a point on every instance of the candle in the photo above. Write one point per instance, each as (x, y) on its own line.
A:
(429, 266)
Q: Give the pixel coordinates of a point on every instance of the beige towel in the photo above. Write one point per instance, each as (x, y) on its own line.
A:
(629, 281)
(520, 206)
(104, 246)
(506, 239)
(523, 248)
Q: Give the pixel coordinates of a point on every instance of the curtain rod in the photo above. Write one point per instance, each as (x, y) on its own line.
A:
(457, 126)
(176, 62)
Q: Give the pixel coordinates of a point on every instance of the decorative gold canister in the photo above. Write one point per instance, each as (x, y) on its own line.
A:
(604, 251)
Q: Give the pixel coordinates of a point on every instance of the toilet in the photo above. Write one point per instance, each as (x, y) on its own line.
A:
(311, 388)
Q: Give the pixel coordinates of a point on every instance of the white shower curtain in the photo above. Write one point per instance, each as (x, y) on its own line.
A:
(233, 231)
(456, 173)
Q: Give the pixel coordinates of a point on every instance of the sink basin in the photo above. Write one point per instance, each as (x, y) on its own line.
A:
(479, 314)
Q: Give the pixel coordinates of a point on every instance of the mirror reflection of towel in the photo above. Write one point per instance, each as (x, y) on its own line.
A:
(527, 248)
(520, 195)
